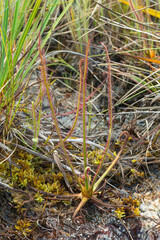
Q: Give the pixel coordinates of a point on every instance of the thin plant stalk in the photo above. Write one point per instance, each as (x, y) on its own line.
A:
(96, 185)
(84, 117)
(50, 100)
(78, 106)
(110, 118)
(89, 191)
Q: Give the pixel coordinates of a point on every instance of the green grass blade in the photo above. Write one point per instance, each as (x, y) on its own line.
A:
(15, 20)
(25, 32)
(45, 40)
(4, 33)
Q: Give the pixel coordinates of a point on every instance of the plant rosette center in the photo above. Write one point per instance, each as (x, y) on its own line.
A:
(86, 193)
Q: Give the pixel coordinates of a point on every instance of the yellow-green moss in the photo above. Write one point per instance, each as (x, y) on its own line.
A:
(130, 207)
(32, 172)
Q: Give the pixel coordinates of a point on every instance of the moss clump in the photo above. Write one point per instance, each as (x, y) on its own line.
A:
(130, 207)
(23, 226)
(31, 173)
